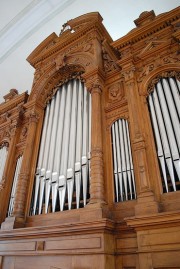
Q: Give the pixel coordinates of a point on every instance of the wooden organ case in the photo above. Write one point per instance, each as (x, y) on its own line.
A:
(90, 160)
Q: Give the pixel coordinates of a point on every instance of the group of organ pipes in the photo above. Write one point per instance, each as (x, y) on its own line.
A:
(62, 175)
(165, 115)
(123, 166)
(63, 168)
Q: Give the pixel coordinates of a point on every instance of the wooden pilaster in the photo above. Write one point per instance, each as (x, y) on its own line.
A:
(145, 196)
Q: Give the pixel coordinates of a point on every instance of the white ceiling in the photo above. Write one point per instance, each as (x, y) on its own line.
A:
(26, 23)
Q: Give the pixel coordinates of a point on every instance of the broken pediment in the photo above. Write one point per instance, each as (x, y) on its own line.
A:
(84, 20)
(43, 46)
(71, 31)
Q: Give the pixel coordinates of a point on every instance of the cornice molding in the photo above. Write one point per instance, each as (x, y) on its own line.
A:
(12, 103)
(161, 219)
(157, 24)
(63, 229)
(53, 43)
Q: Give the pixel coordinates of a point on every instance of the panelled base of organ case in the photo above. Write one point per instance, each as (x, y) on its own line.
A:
(82, 245)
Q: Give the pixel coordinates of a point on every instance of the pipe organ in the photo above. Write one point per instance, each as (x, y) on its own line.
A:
(14, 185)
(3, 156)
(165, 115)
(96, 184)
(123, 165)
(62, 174)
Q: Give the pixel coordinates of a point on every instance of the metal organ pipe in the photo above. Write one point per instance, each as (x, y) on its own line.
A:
(62, 176)
(122, 161)
(3, 155)
(165, 115)
(15, 179)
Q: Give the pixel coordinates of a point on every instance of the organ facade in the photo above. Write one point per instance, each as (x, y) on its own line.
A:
(90, 159)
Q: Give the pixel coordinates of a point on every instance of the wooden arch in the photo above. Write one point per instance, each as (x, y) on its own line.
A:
(162, 71)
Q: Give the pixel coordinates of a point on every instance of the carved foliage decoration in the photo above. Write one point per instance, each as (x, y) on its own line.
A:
(4, 117)
(108, 63)
(157, 61)
(162, 75)
(63, 68)
(84, 46)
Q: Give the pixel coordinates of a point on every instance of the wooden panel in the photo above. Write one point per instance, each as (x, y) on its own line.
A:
(166, 240)
(82, 243)
(126, 243)
(166, 260)
(22, 246)
(8, 262)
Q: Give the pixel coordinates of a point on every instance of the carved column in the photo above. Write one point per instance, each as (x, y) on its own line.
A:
(146, 201)
(97, 178)
(23, 180)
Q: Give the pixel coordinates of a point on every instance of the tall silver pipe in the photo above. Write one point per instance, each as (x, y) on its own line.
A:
(72, 147)
(85, 145)
(65, 146)
(175, 89)
(115, 164)
(15, 179)
(78, 147)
